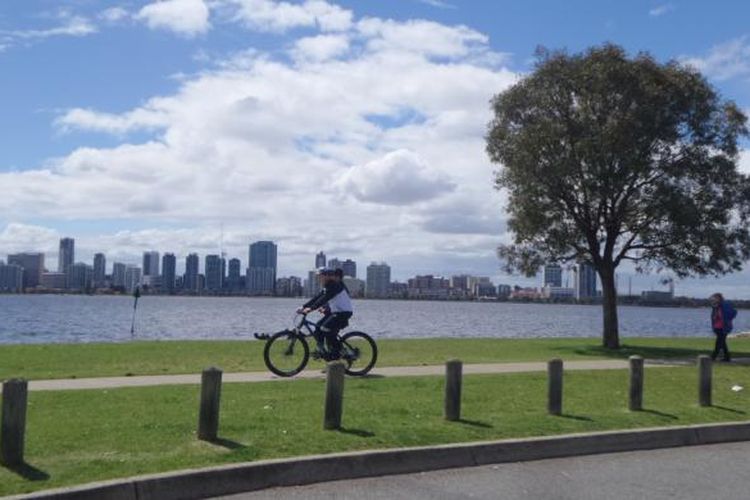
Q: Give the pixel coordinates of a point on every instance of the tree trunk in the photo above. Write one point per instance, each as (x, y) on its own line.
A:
(610, 334)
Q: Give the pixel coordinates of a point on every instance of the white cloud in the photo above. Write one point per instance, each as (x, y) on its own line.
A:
(724, 61)
(660, 10)
(321, 47)
(438, 3)
(87, 119)
(185, 17)
(399, 178)
(76, 26)
(113, 14)
(274, 16)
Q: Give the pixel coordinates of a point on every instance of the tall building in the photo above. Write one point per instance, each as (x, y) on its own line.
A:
(118, 275)
(11, 278)
(33, 267)
(100, 270)
(378, 280)
(312, 284)
(214, 273)
(66, 256)
(552, 275)
(132, 278)
(335, 264)
(80, 276)
(235, 275)
(460, 282)
(190, 281)
(349, 267)
(261, 271)
(585, 281)
(168, 273)
(151, 263)
(320, 260)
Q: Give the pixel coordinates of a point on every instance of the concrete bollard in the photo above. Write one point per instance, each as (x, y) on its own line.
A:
(208, 421)
(13, 428)
(334, 406)
(704, 380)
(636, 383)
(554, 386)
(453, 373)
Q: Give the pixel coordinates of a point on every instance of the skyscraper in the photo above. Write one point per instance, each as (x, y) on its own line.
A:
(100, 270)
(586, 281)
(261, 271)
(235, 274)
(320, 260)
(66, 256)
(80, 276)
(214, 273)
(335, 264)
(33, 267)
(190, 282)
(349, 267)
(378, 280)
(552, 275)
(151, 263)
(11, 278)
(118, 275)
(168, 273)
(132, 278)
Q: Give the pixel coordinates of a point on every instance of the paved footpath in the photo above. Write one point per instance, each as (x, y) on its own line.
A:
(715, 472)
(391, 371)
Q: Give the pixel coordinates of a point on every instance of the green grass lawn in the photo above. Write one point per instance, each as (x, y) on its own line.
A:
(82, 436)
(169, 357)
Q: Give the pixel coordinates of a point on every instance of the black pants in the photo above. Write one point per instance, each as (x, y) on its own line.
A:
(329, 327)
(721, 344)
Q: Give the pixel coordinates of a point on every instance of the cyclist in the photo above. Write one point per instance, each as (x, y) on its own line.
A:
(336, 305)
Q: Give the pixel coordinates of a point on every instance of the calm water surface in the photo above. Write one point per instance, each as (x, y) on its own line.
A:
(73, 318)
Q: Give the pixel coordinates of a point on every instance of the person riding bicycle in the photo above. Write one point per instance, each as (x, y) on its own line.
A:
(336, 305)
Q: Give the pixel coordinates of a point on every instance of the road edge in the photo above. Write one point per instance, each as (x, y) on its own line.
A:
(252, 476)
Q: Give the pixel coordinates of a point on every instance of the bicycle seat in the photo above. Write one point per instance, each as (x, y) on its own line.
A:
(261, 336)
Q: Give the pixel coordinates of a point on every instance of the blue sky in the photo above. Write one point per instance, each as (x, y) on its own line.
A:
(353, 126)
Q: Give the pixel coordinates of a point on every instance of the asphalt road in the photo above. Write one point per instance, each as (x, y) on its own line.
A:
(715, 472)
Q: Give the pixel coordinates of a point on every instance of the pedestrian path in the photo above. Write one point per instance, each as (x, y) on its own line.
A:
(315, 373)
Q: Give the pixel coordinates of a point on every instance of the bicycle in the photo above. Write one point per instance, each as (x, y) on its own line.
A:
(287, 352)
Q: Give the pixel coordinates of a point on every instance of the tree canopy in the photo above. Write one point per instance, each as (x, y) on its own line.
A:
(607, 158)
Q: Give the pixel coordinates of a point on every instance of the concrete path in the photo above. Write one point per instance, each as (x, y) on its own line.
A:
(392, 371)
(717, 472)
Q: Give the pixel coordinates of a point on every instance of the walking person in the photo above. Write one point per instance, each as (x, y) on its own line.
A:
(722, 315)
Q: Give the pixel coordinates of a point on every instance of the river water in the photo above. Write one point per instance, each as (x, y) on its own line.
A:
(75, 318)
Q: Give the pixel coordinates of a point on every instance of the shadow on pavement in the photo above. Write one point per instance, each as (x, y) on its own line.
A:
(28, 472)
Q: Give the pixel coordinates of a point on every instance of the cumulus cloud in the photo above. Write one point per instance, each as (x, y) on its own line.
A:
(113, 14)
(398, 178)
(321, 47)
(185, 17)
(274, 16)
(724, 61)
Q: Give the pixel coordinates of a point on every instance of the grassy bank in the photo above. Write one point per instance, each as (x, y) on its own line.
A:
(82, 436)
(170, 357)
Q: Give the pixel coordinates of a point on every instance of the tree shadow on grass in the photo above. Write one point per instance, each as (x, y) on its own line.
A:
(227, 443)
(28, 472)
(475, 423)
(659, 413)
(731, 410)
(648, 352)
(576, 417)
(357, 432)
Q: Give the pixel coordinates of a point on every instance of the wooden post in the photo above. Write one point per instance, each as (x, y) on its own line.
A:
(555, 386)
(704, 380)
(13, 428)
(334, 405)
(636, 383)
(453, 373)
(208, 421)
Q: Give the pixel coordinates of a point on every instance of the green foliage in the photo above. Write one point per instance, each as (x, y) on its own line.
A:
(607, 158)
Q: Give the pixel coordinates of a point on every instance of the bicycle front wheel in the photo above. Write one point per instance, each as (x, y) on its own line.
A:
(359, 351)
(286, 353)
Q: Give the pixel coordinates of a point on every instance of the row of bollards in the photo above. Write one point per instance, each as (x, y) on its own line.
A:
(15, 396)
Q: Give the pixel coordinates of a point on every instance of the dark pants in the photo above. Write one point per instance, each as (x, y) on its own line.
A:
(721, 344)
(328, 328)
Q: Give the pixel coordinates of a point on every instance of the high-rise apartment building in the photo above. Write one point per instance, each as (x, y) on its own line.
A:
(118, 275)
(66, 257)
(320, 260)
(214, 273)
(190, 281)
(235, 275)
(132, 278)
(261, 271)
(151, 263)
(11, 278)
(585, 281)
(349, 267)
(80, 276)
(552, 275)
(100, 270)
(168, 273)
(335, 264)
(378, 280)
(33, 267)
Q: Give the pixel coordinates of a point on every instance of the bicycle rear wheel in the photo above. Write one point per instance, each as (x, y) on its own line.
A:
(286, 353)
(359, 351)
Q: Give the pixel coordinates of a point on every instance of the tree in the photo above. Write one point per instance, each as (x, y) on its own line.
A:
(608, 159)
